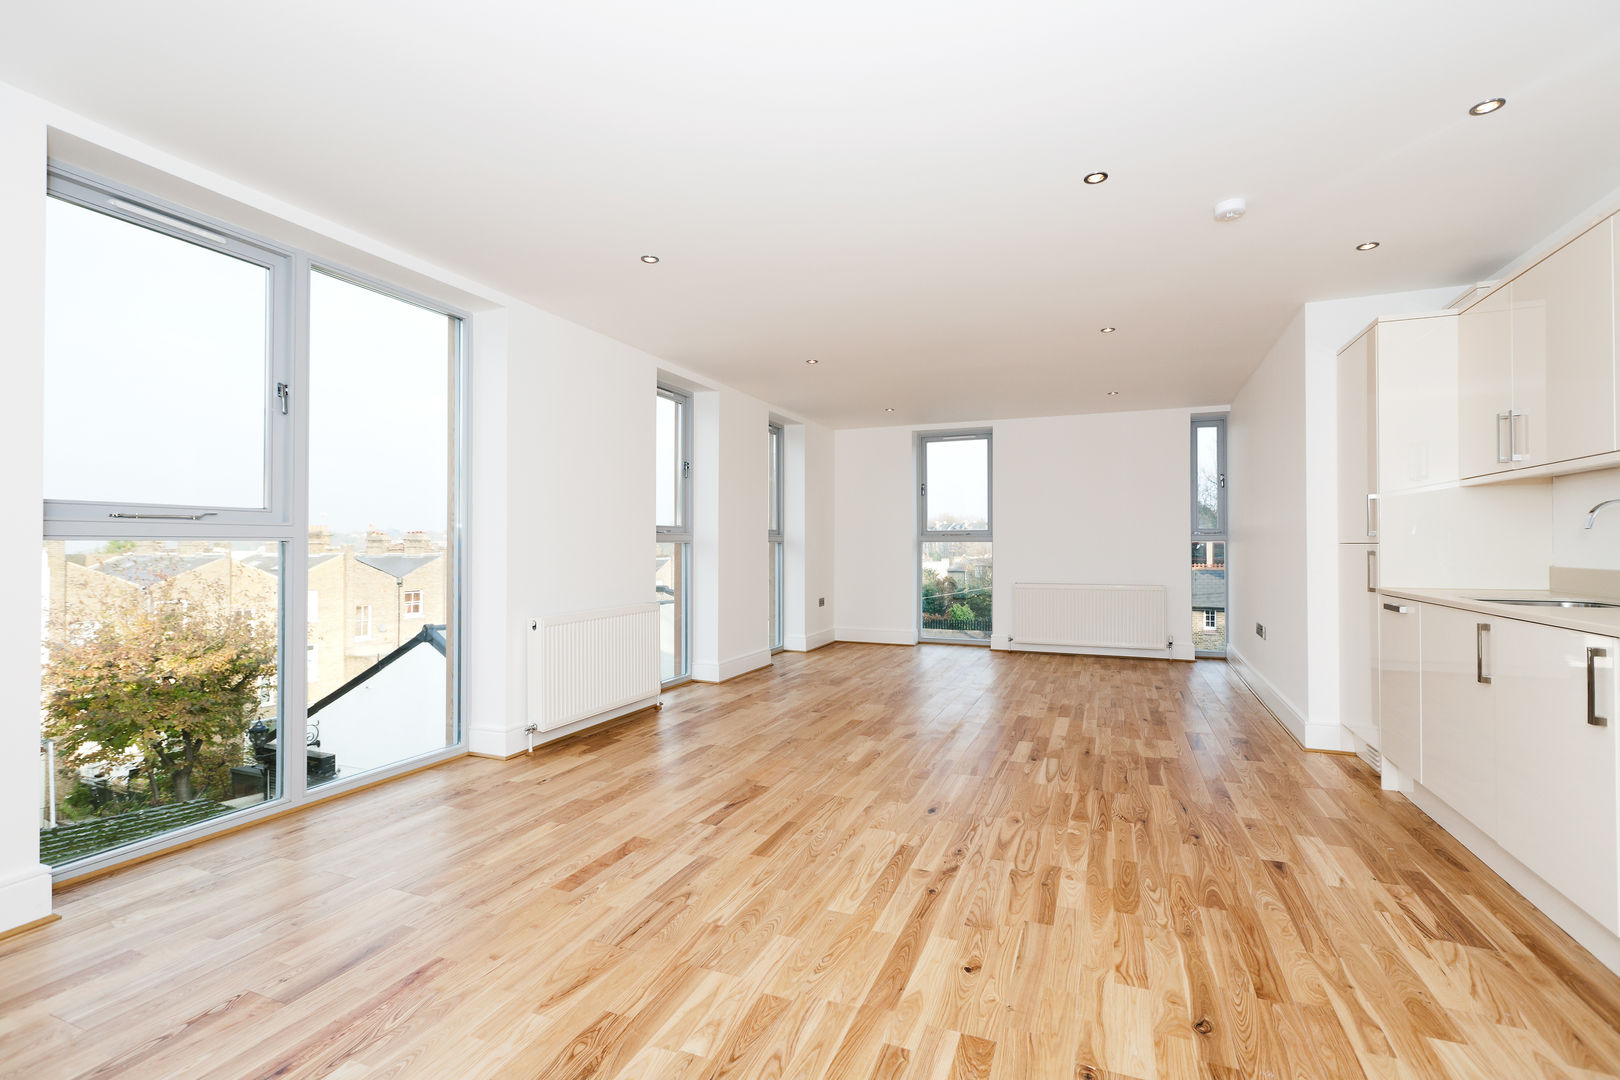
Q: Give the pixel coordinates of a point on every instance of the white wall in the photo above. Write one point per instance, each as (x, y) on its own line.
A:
(876, 574)
(731, 516)
(1265, 559)
(808, 604)
(1572, 543)
(25, 885)
(1101, 498)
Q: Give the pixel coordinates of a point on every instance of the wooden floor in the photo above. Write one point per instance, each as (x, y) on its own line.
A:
(871, 862)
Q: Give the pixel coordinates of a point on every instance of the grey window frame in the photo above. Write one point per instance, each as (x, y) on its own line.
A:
(774, 531)
(924, 439)
(274, 519)
(681, 533)
(286, 520)
(1220, 531)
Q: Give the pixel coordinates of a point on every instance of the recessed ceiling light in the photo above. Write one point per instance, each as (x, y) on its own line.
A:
(1096, 177)
(1106, 330)
(888, 410)
(1368, 246)
(1113, 393)
(812, 361)
(1484, 108)
(649, 258)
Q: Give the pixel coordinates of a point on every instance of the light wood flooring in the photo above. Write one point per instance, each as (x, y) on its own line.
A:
(869, 862)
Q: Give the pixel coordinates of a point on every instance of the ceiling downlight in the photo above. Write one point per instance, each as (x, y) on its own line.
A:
(1367, 245)
(1096, 177)
(1485, 108)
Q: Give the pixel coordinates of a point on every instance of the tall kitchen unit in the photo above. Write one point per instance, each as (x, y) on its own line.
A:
(1358, 536)
(1397, 438)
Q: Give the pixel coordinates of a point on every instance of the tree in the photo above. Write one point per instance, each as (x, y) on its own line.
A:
(171, 684)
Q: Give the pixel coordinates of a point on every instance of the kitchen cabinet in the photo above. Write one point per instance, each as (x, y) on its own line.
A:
(1563, 352)
(1358, 440)
(1518, 730)
(1400, 685)
(1415, 363)
(1459, 719)
(1485, 385)
(1558, 807)
(1536, 363)
(1358, 641)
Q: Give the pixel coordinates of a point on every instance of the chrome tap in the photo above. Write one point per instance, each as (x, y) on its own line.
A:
(1591, 517)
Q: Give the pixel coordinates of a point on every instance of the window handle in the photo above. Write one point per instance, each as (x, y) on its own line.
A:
(284, 392)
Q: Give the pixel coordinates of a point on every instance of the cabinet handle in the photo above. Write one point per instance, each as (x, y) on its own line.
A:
(1372, 571)
(1480, 630)
(1503, 419)
(1520, 455)
(1372, 523)
(1591, 688)
(1399, 609)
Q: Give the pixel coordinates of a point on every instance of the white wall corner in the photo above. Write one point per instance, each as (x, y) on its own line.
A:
(1310, 735)
(730, 669)
(810, 642)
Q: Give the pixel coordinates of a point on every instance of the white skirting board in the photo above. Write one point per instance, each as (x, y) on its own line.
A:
(1596, 938)
(809, 642)
(25, 896)
(1312, 736)
(877, 636)
(711, 672)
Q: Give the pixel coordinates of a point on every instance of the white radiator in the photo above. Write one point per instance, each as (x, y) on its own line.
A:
(591, 663)
(1091, 616)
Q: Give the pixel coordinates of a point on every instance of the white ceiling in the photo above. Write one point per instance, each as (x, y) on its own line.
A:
(891, 188)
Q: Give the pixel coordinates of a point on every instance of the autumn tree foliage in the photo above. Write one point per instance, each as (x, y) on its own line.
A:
(170, 684)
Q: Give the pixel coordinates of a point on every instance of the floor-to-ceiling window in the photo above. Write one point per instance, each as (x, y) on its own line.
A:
(184, 484)
(954, 513)
(1209, 536)
(672, 560)
(773, 535)
(380, 386)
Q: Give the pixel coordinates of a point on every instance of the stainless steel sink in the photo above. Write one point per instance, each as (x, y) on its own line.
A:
(1547, 603)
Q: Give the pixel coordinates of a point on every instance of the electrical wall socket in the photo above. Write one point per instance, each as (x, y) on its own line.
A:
(822, 602)
(1260, 629)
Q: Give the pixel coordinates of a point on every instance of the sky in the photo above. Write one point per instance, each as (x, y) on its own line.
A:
(959, 481)
(157, 383)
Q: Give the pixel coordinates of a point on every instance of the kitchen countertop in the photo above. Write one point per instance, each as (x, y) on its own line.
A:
(1604, 621)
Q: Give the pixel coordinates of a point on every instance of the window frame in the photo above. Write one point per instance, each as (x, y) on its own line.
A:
(774, 531)
(1218, 423)
(94, 519)
(285, 522)
(680, 533)
(924, 440)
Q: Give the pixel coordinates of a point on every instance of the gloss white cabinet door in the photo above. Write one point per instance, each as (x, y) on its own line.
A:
(1556, 760)
(1417, 402)
(1358, 641)
(1485, 386)
(1459, 712)
(1358, 442)
(1563, 353)
(1400, 685)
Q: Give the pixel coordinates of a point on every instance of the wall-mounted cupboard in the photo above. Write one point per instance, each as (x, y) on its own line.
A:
(1536, 364)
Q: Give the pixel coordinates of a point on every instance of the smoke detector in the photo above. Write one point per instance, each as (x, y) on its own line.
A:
(1230, 209)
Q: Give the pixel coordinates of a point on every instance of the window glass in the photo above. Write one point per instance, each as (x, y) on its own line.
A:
(667, 457)
(379, 490)
(958, 484)
(160, 688)
(156, 378)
